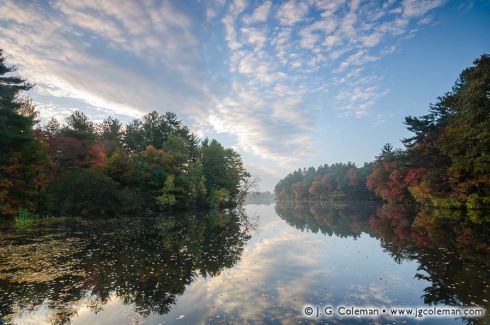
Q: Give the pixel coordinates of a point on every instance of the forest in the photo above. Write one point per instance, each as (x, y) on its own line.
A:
(77, 167)
(335, 182)
(445, 164)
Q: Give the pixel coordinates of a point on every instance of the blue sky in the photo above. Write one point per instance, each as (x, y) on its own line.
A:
(288, 84)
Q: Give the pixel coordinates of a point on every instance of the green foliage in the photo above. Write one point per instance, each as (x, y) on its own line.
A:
(466, 135)
(24, 218)
(78, 126)
(23, 159)
(120, 168)
(218, 198)
(223, 173)
(162, 131)
(85, 193)
(15, 119)
(82, 168)
(167, 199)
(478, 202)
(110, 133)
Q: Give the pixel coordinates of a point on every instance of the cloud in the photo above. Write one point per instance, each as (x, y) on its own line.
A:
(274, 68)
(358, 100)
(268, 177)
(234, 10)
(260, 14)
(417, 8)
(250, 288)
(254, 36)
(78, 49)
(213, 8)
(357, 59)
(264, 81)
(245, 116)
(292, 12)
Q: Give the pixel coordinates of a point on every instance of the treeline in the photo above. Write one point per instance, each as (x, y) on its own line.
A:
(328, 182)
(79, 167)
(445, 164)
(447, 161)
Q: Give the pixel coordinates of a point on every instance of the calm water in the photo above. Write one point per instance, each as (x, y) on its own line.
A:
(260, 267)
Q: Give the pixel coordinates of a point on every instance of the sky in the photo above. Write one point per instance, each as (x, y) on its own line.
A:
(288, 84)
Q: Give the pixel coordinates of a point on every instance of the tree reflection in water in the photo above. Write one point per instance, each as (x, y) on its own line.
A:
(144, 262)
(343, 219)
(453, 254)
(148, 262)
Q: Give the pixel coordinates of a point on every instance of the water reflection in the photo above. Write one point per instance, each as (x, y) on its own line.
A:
(214, 269)
(453, 255)
(143, 262)
(343, 219)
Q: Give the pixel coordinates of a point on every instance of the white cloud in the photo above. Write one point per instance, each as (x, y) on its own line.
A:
(292, 12)
(260, 13)
(308, 38)
(372, 40)
(61, 49)
(330, 41)
(345, 37)
(417, 8)
(234, 10)
(360, 58)
(254, 36)
(132, 57)
(356, 101)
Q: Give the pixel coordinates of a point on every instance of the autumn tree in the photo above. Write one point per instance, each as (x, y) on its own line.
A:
(78, 167)
(22, 157)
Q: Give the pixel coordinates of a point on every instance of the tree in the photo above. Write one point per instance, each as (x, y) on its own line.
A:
(386, 179)
(78, 126)
(167, 199)
(110, 131)
(120, 168)
(15, 124)
(78, 167)
(223, 171)
(23, 158)
(446, 162)
(466, 135)
(335, 182)
(83, 192)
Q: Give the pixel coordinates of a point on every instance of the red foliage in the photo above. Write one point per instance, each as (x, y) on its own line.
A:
(397, 188)
(96, 155)
(387, 180)
(413, 176)
(393, 223)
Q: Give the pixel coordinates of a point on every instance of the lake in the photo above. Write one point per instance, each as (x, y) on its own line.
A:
(261, 266)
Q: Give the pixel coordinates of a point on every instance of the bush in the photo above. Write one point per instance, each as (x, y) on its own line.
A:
(83, 192)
